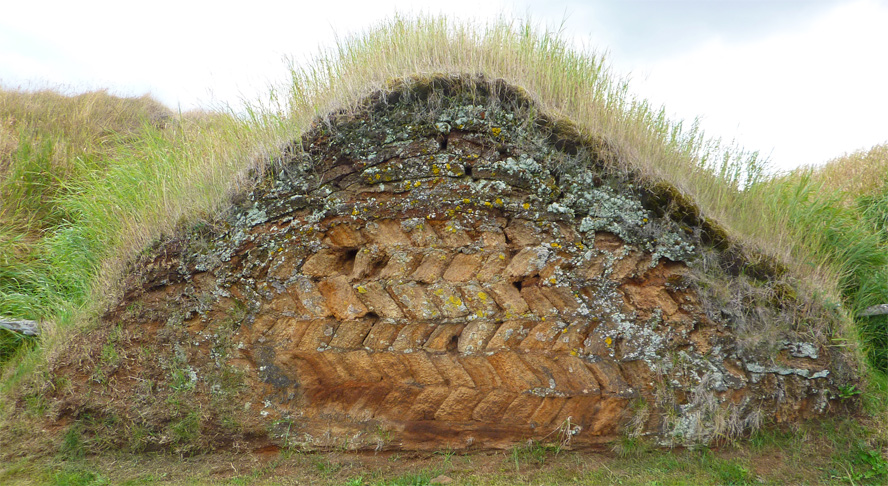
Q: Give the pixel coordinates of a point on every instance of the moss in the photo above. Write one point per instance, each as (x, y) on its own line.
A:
(665, 200)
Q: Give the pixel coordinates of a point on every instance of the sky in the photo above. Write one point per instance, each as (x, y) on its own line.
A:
(800, 81)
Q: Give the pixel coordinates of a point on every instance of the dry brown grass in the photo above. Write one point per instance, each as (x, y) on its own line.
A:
(87, 123)
(860, 173)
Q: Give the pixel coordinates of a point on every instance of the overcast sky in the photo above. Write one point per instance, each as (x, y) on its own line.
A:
(800, 81)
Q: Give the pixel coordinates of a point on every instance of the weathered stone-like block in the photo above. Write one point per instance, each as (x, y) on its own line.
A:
(413, 337)
(351, 334)
(377, 299)
(510, 334)
(433, 265)
(344, 235)
(527, 262)
(475, 336)
(479, 302)
(307, 294)
(509, 298)
(341, 298)
(386, 233)
(537, 302)
(493, 267)
(444, 338)
(322, 264)
(463, 267)
(415, 301)
(448, 299)
(382, 335)
(523, 233)
(400, 264)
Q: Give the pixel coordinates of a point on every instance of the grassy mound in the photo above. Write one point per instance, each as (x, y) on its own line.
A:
(88, 181)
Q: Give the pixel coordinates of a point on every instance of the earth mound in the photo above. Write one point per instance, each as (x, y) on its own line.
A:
(447, 268)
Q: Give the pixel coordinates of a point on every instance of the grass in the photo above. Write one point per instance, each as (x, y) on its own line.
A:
(839, 216)
(830, 452)
(860, 173)
(849, 233)
(79, 203)
(88, 181)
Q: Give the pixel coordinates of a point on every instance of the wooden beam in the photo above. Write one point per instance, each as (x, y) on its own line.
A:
(876, 310)
(21, 326)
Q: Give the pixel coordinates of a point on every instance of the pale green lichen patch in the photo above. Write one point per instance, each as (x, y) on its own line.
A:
(523, 172)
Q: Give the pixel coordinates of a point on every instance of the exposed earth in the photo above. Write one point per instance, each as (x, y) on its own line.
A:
(445, 270)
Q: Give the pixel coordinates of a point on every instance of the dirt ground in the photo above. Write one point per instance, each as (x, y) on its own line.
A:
(799, 459)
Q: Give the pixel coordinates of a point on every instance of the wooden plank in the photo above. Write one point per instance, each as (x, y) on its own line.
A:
(876, 310)
(21, 326)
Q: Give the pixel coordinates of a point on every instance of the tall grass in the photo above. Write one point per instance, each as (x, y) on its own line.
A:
(47, 141)
(860, 173)
(565, 83)
(87, 188)
(840, 214)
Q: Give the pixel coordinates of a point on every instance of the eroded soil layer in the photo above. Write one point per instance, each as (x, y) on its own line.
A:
(430, 275)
